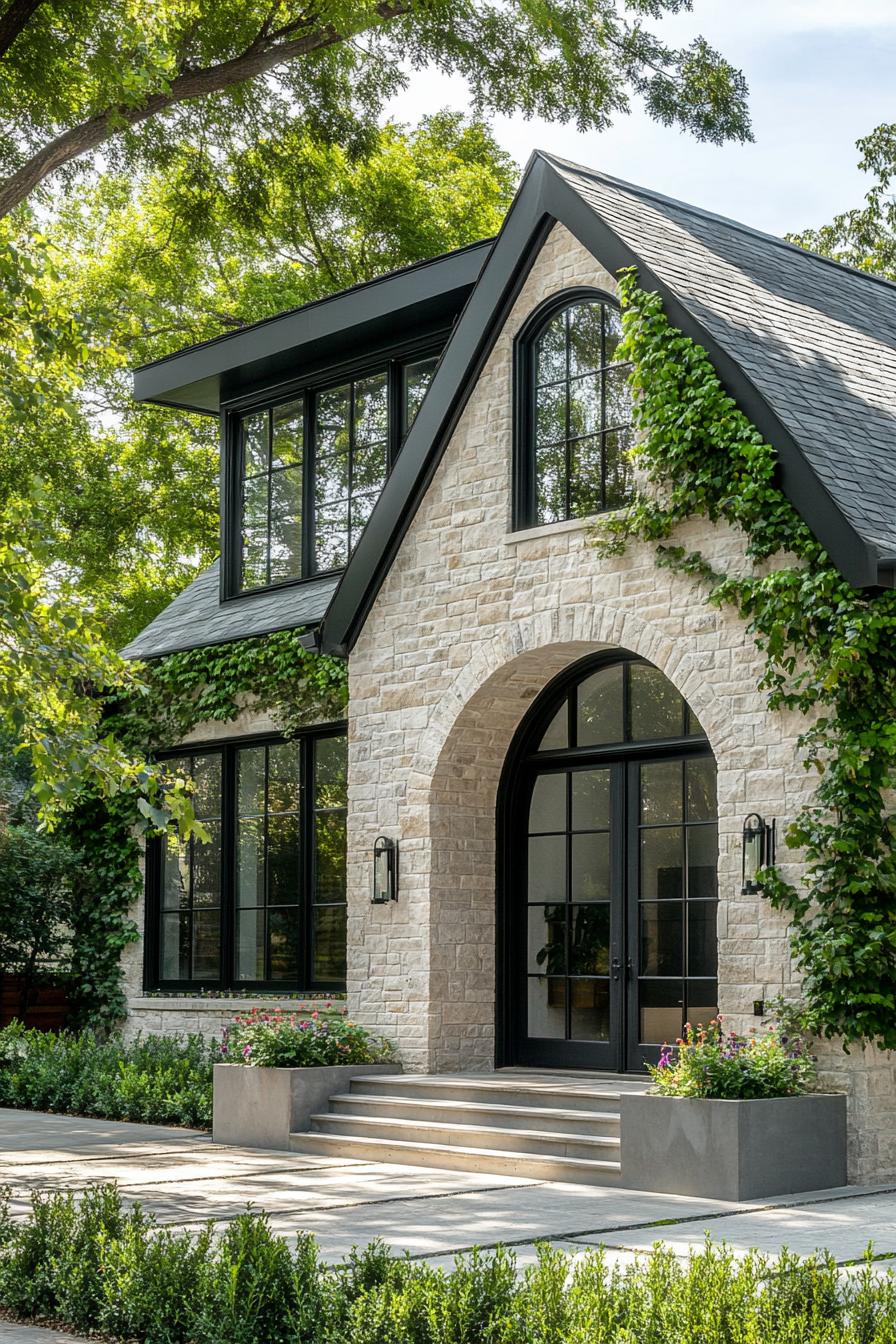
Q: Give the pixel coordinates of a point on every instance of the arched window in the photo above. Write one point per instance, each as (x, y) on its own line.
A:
(573, 411)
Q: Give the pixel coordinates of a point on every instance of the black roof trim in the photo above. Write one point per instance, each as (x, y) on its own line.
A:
(546, 197)
(191, 378)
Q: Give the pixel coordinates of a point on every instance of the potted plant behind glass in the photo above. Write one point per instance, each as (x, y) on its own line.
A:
(734, 1117)
(278, 1069)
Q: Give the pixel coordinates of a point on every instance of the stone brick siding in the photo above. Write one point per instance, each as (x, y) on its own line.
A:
(470, 626)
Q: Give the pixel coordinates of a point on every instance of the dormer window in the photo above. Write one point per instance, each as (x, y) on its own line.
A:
(308, 469)
(573, 412)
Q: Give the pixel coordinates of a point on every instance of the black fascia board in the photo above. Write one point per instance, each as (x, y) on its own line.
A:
(427, 295)
(544, 198)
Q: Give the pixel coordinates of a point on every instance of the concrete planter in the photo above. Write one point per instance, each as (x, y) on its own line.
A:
(733, 1150)
(260, 1108)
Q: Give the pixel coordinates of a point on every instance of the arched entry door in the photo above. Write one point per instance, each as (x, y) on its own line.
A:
(608, 884)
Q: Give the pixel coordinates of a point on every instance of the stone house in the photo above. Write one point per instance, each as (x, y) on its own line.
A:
(553, 750)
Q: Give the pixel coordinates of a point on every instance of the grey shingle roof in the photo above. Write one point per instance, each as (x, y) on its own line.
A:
(197, 617)
(818, 340)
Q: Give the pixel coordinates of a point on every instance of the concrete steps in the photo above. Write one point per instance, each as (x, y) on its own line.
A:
(544, 1126)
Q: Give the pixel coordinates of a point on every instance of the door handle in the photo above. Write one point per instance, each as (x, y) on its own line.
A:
(616, 968)
(629, 969)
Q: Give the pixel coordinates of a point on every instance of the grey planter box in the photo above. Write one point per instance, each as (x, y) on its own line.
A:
(260, 1108)
(733, 1150)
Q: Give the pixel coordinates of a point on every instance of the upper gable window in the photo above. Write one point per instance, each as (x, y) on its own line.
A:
(573, 425)
(307, 472)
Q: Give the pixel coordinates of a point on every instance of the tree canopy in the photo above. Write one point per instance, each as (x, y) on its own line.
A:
(865, 237)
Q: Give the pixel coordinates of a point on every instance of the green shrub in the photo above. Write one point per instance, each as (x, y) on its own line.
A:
(155, 1080)
(709, 1062)
(282, 1040)
(94, 1266)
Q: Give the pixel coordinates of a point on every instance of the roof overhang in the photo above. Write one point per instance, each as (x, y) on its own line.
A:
(425, 297)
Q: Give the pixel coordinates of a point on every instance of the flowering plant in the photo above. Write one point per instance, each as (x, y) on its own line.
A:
(283, 1040)
(710, 1062)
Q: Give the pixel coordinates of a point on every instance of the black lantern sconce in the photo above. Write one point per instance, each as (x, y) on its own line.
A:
(385, 870)
(758, 851)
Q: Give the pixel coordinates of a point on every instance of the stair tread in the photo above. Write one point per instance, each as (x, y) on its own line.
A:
(473, 1107)
(386, 1082)
(409, 1145)
(607, 1141)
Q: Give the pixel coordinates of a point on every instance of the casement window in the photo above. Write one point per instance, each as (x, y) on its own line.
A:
(306, 471)
(573, 412)
(262, 904)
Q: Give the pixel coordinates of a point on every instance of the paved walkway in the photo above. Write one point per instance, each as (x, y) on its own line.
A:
(184, 1179)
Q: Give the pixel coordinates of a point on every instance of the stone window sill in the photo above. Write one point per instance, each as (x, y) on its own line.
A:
(557, 529)
(184, 1003)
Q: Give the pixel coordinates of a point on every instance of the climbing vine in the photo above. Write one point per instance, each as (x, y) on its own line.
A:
(176, 693)
(830, 653)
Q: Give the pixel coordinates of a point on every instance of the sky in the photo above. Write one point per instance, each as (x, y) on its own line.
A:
(822, 73)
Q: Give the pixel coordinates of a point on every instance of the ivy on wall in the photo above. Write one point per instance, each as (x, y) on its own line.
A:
(830, 652)
(273, 672)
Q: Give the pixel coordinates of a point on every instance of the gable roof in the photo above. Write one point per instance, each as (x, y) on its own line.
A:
(806, 347)
(197, 617)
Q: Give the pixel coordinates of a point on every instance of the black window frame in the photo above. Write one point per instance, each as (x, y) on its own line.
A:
(392, 361)
(228, 749)
(524, 513)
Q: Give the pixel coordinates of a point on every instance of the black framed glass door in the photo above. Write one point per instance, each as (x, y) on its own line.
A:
(609, 891)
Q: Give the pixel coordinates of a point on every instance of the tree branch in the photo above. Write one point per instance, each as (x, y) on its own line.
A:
(256, 60)
(13, 20)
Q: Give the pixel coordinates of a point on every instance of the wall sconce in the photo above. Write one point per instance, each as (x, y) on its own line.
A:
(758, 851)
(385, 870)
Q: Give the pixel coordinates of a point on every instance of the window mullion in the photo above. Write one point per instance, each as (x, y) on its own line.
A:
(270, 454)
(352, 416)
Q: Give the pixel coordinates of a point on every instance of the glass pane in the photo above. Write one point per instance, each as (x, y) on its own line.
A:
(288, 434)
(612, 332)
(250, 862)
(701, 789)
(283, 944)
(417, 378)
(617, 396)
(331, 541)
(547, 1007)
(328, 947)
(550, 414)
(250, 945)
(362, 508)
(255, 443)
(176, 873)
(206, 772)
(550, 484)
(662, 859)
(331, 482)
(556, 736)
(703, 947)
(547, 868)
(662, 1011)
(599, 708)
(547, 811)
(331, 852)
(657, 710)
(254, 567)
(286, 524)
(332, 422)
(585, 478)
(703, 855)
(662, 946)
(174, 958)
(584, 406)
(369, 468)
(547, 940)
(590, 867)
(283, 777)
(206, 944)
(584, 338)
(589, 1010)
(255, 531)
(589, 939)
(250, 781)
(550, 351)
(703, 1001)
(331, 764)
(207, 867)
(371, 409)
(590, 799)
(661, 792)
(693, 728)
(617, 468)
(283, 859)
